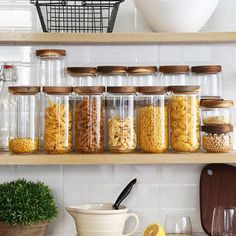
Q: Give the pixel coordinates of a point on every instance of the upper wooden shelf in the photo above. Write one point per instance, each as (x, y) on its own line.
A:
(117, 38)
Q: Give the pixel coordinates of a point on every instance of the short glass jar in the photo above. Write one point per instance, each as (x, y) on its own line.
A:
(153, 119)
(185, 118)
(58, 113)
(112, 75)
(141, 76)
(174, 75)
(217, 112)
(89, 119)
(121, 119)
(51, 63)
(209, 78)
(24, 119)
(217, 138)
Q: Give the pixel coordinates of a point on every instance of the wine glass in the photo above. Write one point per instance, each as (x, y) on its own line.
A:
(178, 225)
(224, 221)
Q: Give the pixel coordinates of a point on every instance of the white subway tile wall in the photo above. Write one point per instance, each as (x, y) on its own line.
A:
(161, 189)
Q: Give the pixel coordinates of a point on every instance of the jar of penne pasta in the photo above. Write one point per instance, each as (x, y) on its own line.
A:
(58, 115)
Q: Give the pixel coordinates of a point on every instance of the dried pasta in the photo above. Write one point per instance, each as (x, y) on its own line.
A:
(23, 145)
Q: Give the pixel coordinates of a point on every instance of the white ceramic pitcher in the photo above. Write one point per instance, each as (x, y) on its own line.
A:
(101, 220)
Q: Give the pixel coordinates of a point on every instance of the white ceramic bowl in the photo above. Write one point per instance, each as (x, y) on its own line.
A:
(176, 15)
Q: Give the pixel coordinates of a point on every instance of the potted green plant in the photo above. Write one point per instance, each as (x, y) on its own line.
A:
(26, 208)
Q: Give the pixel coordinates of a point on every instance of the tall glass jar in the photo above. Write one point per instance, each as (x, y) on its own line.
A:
(185, 118)
(24, 119)
(174, 75)
(89, 119)
(209, 78)
(121, 119)
(51, 63)
(58, 113)
(153, 119)
(112, 75)
(141, 76)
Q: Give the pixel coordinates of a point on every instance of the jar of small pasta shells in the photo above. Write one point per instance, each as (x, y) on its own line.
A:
(153, 119)
(58, 113)
(24, 119)
(185, 118)
(89, 119)
(121, 119)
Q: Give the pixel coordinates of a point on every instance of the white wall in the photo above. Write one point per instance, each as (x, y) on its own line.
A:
(161, 189)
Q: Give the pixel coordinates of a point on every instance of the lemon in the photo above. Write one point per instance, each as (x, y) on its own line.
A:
(154, 230)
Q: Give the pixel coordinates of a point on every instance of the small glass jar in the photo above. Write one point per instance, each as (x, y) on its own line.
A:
(185, 118)
(141, 76)
(24, 119)
(51, 67)
(112, 75)
(153, 119)
(83, 76)
(89, 119)
(174, 75)
(217, 112)
(209, 78)
(58, 115)
(121, 119)
(217, 138)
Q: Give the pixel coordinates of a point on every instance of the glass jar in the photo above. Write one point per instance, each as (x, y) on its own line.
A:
(141, 76)
(51, 67)
(185, 118)
(58, 114)
(83, 76)
(217, 112)
(121, 119)
(24, 119)
(174, 75)
(217, 138)
(209, 78)
(112, 75)
(89, 119)
(153, 119)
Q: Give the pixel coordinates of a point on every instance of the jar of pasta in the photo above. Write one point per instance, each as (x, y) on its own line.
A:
(153, 119)
(185, 118)
(24, 119)
(51, 63)
(57, 120)
(121, 119)
(89, 119)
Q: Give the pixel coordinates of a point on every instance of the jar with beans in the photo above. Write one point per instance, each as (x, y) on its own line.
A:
(218, 138)
(185, 118)
(153, 119)
(121, 119)
(89, 119)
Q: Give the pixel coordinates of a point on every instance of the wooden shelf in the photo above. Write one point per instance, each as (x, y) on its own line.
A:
(108, 159)
(116, 38)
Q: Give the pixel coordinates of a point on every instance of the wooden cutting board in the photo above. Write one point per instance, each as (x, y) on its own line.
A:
(217, 188)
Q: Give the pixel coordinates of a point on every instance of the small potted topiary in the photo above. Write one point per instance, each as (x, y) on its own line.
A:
(26, 208)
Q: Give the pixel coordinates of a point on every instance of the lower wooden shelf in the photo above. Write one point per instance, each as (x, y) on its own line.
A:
(109, 159)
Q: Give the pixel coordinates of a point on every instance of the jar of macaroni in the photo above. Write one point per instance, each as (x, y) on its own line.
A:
(121, 119)
(141, 76)
(112, 75)
(185, 118)
(51, 63)
(58, 112)
(217, 112)
(174, 75)
(24, 119)
(153, 119)
(209, 78)
(89, 119)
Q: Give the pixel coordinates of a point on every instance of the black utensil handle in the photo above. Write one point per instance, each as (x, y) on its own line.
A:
(124, 194)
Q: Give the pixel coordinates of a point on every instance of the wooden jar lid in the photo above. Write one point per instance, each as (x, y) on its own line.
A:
(50, 53)
(57, 90)
(209, 69)
(217, 129)
(125, 90)
(24, 90)
(216, 103)
(184, 89)
(153, 90)
(142, 70)
(89, 90)
(174, 69)
(82, 71)
(113, 70)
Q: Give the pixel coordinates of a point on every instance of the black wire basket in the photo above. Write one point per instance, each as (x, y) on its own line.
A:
(90, 16)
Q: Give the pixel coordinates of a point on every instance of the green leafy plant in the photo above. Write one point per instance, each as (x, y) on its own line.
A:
(25, 202)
